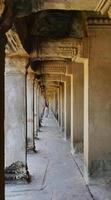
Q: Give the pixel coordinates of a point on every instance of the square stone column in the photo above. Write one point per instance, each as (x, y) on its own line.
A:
(97, 97)
(62, 96)
(64, 110)
(41, 106)
(78, 106)
(35, 108)
(68, 107)
(30, 113)
(36, 105)
(61, 106)
(15, 120)
(56, 104)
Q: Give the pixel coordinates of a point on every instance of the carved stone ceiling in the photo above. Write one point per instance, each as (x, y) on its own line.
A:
(49, 25)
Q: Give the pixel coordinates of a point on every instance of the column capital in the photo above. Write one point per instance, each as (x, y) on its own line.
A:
(15, 65)
(30, 76)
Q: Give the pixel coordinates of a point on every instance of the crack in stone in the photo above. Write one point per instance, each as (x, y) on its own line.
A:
(45, 174)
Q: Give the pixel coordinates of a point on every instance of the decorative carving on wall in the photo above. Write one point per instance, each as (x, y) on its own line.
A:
(14, 46)
(64, 48)
(104, 7)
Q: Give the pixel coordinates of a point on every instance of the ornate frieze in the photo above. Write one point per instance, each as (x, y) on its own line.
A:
(14, 46)
(53, 50)
(103, 21)
(62, 49)
(53, 67)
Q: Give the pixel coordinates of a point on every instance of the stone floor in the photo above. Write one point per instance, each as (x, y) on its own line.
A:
(55, 175)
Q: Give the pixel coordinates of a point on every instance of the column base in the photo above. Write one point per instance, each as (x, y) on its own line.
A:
(17, 173)
(36, 135)
(101, 166)
(78, 147)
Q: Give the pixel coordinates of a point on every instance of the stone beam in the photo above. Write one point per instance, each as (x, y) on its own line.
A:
(69, 4)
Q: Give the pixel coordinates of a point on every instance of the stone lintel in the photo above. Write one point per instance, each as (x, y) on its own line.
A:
(70, 4)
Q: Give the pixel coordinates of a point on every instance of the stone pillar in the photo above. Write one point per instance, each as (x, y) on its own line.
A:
(41, 106)
(61, 107)
(97, 98)
(68, 107)
(30, 114)
(55, 103)
(58, 105)
(2, 67)
(78, 106)
(35, 108)
(65, 92)
(36, 121)
(38, 107)
(15, 119)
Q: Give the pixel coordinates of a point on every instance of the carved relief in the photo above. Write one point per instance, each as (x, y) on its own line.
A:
(66, 48)
(14, 46)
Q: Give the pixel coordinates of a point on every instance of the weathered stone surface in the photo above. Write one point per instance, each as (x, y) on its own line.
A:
(97, 144)
(15, 172)
(78, 101)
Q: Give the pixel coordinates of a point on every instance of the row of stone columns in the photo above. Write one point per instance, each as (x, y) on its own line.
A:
(88, 125)
(21, 120)
(87, 101)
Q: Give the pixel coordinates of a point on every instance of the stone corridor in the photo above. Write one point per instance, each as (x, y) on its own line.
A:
(54, 173)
